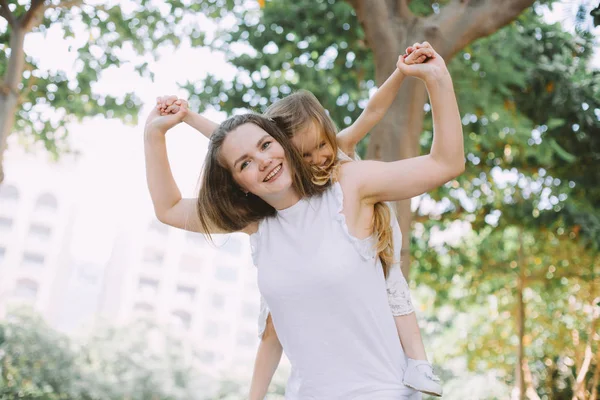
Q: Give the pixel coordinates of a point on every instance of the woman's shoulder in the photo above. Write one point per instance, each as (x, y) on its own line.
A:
(350, 173)
(349, 180)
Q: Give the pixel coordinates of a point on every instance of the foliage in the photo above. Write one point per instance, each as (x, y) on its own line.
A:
(138, 362)
(103, 37)
(528, 204)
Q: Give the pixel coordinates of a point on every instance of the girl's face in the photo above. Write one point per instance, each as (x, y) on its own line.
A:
(313, 145)
(257, 162)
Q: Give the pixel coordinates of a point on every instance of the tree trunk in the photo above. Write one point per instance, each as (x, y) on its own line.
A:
(389, 28)
(9, 91)
(596, 378)
(520, 373)
(397, 137)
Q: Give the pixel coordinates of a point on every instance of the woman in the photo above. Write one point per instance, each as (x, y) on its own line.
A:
(328, 302)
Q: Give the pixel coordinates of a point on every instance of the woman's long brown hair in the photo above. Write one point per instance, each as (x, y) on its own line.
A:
(222, 205)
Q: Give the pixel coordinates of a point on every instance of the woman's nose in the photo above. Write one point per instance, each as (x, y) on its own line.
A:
(264, 161)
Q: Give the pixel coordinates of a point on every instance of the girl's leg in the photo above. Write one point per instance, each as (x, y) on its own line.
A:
(410, 336)
(419, 373)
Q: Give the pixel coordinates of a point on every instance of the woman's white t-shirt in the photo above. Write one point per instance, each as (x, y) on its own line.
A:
(328, 300)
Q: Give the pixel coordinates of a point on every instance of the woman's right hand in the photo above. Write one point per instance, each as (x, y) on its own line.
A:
(158, 121)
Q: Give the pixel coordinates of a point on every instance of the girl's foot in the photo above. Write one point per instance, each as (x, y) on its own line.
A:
(419, 375)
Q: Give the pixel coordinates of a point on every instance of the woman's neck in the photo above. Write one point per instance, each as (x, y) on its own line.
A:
(281, 201)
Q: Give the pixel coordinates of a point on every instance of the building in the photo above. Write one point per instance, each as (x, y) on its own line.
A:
(205, 292)
(64, 257)
(36, 220)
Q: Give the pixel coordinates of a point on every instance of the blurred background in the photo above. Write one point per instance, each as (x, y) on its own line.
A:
(99, 300)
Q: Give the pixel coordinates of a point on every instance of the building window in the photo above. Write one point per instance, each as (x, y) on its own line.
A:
(33, 260)
(206, 357)
(143, 307)
(26, 289)
(190, 263)
(195, 239)
(148, 287)
(46, 202)
(232, 245)
(9, 192)
(225, 273)
(143, 310)
(250, 310)
(153, 257)
(186, 293)
(5, 224)
(181, 320)
(2, 254)
(247, 339)
(218, 301)
(211, 330)
(39, 232)
(159, 227)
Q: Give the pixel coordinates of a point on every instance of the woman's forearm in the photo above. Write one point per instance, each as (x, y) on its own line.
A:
(448, 145)
(162, 186)
(268, 357)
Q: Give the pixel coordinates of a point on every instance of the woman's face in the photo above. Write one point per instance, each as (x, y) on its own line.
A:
(257, 162)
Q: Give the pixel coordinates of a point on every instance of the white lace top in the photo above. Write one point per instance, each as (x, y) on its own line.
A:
(327, 298)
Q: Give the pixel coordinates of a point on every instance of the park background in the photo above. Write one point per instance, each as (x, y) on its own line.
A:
(98, 300)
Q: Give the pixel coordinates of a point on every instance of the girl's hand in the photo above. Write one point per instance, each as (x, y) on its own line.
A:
(433, 67)
(412, 58)
(170, 104)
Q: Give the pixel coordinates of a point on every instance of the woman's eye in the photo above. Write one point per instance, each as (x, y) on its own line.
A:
(244, 164)
(265, 145)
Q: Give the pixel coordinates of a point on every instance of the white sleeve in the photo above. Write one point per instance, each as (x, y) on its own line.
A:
(396, 285)
(398, 292)
(263, 314)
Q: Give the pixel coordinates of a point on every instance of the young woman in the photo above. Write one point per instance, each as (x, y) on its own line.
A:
(327, 299)
(314, 134)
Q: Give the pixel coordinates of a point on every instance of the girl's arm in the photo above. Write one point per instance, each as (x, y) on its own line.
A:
(267, 359)
(379, 104)
(390, 181)
(173, 105)
(410, 336)
(169, 207)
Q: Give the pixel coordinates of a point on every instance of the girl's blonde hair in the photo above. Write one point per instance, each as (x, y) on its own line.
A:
(301, 109)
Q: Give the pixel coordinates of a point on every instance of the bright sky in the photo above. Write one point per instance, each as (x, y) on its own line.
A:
(110, 178)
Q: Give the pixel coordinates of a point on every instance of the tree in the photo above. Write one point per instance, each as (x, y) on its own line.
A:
(38, 104)
(531, 264)
(336, 48)
(136, 362)
(530, 106)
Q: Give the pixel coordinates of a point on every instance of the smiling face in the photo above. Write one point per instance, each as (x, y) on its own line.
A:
(313, 145)
(257, 163)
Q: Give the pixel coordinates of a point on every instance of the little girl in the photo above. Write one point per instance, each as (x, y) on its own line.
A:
(314, 134)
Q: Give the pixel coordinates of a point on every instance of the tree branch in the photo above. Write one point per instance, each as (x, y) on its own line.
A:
(6, 13)
(596, 378)
(402, 9)
(463, 21)
(31, 14)
(65, 4)
(374, 16)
